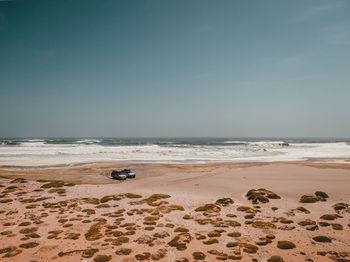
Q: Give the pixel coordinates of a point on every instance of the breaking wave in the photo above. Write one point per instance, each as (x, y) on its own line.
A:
(58, 151)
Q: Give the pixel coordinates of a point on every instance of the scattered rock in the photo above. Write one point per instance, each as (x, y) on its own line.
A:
(285, 245)
(322, 239)
(261, 195)
(275, 259)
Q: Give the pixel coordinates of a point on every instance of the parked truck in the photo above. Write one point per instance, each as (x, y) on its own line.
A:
(123, 174)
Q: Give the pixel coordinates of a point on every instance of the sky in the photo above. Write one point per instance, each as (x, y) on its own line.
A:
(273, 68)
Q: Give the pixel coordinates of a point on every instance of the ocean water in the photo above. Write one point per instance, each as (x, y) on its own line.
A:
(67, 151)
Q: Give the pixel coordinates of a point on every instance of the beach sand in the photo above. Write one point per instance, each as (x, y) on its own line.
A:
(163, 214)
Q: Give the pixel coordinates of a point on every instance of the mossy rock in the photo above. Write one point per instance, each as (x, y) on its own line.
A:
(286, 221)
(28, 230)
(233, 244)
(7, 249)
(180, 241)
(59, 191)
(53, 184)
(151, 218)
(263, 241)
(211, 241)
(234, 234)
(324, 224)
(173, 208)
(103, 206)
(161, 235)
(143, 256)
(323, 239)
(102, 258)
(340, 207)
(329, 217)
(19, 180)
(24, 224)
(200, 236)
(261, 195)
(7, 200)
(120, 240)
(208, 207)
(307, 222)
(187, 217)
(155, 197)
(93, 201)
(337, 226)
(123, 251)
(182, 259)
(33, 235)
(303, 210)
(150, 223)
(160, 253)
(90, 252)
(94, 233)
(224, 201)
(132, 195)
(89, 211)
(72, 236)
(10, 251)
(321, 194)
(249, 216)
(106, 199)
(29, 245)
(247, 209)
(263, 225)
(181, 229)
(234, 257)
(312, 228)
(308, 199)
(275, 259)
(214, 234)
(198, 256)
(250, 248)
(285, 245)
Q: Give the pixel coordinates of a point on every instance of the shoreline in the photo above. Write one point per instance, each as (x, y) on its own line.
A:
(98, 171)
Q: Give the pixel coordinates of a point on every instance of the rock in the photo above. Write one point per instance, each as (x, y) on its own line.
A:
(321, 194)
(275, 259)
(224, 201)
(322, 239)
(308, 199)
(261, 195)
(285, 245)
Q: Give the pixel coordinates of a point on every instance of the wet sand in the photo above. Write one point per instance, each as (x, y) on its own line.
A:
(89, 214)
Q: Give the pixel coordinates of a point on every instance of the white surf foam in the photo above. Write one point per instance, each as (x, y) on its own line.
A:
(37, 153)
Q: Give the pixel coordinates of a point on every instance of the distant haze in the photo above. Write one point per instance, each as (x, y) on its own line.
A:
(88, 68)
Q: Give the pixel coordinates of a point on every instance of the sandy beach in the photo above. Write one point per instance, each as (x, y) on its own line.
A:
(174, 212)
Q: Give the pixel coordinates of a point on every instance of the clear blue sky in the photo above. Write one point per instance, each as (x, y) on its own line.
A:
(175, 68)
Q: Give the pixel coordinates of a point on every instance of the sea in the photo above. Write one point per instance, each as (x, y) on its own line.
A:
(36, 152)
